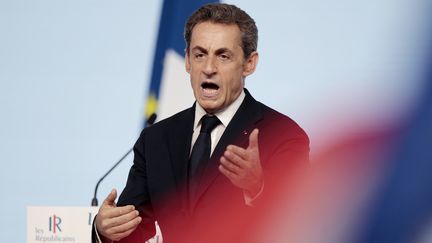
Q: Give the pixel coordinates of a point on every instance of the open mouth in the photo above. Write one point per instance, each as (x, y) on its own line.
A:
(209, 86)
(209, 90)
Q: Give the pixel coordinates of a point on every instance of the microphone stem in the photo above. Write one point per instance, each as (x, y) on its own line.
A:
(151, 119)
(94, 200)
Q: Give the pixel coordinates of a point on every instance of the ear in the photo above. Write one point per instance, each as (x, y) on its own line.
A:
(250, 64)
(187, 62)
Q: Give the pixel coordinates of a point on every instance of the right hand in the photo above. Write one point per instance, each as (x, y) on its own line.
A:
(114, 222)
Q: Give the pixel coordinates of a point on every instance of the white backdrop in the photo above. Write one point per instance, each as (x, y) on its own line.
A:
(74, 76)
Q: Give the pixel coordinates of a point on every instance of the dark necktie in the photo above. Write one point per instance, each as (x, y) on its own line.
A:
(201, 152)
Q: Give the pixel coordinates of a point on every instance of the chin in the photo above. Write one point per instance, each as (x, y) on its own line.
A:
(210, 108)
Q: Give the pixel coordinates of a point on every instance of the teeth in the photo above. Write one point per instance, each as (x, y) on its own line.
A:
(209, 89)
(210, 92)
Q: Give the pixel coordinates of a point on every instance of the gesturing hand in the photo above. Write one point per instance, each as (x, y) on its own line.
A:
(243, 166)
(114, 222)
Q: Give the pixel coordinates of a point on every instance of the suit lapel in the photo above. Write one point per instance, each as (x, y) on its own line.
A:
(237, 132)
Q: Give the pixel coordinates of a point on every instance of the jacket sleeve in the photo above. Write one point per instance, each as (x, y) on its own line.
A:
(136, 193)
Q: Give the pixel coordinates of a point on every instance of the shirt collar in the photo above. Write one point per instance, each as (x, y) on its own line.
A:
(225, 115)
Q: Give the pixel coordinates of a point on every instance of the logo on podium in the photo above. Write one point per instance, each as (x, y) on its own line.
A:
(54, 224)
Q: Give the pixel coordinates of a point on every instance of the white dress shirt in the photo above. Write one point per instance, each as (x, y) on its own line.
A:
(224, 116)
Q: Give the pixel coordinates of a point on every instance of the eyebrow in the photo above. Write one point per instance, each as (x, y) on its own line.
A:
(223, 50)
(217, 52)
(199, 48)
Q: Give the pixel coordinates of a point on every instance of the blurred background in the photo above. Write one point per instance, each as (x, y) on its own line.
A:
(74, 80)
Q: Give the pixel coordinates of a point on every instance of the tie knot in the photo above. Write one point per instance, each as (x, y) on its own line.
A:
(208, 123)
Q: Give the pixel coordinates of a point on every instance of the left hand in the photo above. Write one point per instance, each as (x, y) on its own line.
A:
(243, 166)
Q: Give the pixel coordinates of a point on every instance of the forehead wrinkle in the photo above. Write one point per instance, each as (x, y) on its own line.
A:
(207, 36)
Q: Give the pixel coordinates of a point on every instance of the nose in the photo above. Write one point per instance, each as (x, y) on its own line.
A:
(210, 66)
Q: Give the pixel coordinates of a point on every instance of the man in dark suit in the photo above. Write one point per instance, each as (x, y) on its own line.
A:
(205, 173)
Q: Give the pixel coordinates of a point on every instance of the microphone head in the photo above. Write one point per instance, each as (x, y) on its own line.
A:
(151, 119)
(94, 202)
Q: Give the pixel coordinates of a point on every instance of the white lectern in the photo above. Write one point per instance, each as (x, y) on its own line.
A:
(64, 224)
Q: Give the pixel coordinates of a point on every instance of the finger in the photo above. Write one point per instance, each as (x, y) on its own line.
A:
(236, 159)
(123, 219)
(120, 236)
(110, 199)
(227, 173)
(253, 139)
(123, 228)
(239, 151)
(117, 211)
(229, 165)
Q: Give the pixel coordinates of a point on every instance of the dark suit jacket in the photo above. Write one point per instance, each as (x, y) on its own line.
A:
(156, 182)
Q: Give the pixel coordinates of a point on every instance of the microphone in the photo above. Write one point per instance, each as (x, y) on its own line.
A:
(149, 122)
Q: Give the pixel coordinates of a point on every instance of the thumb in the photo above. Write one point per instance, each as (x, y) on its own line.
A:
(110, 199)
(253, 139)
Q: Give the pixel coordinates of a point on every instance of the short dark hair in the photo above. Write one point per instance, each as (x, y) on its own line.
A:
(222, 13)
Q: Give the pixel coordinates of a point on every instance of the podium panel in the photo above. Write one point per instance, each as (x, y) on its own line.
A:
(59, 224)
(64, 224)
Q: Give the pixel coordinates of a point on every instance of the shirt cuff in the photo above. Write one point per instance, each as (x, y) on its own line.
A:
(250, 199)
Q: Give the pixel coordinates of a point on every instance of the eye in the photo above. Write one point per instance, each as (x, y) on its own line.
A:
(199, 55)
(224, 57)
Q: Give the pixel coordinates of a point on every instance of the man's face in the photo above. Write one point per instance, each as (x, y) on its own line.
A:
(216, 64)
